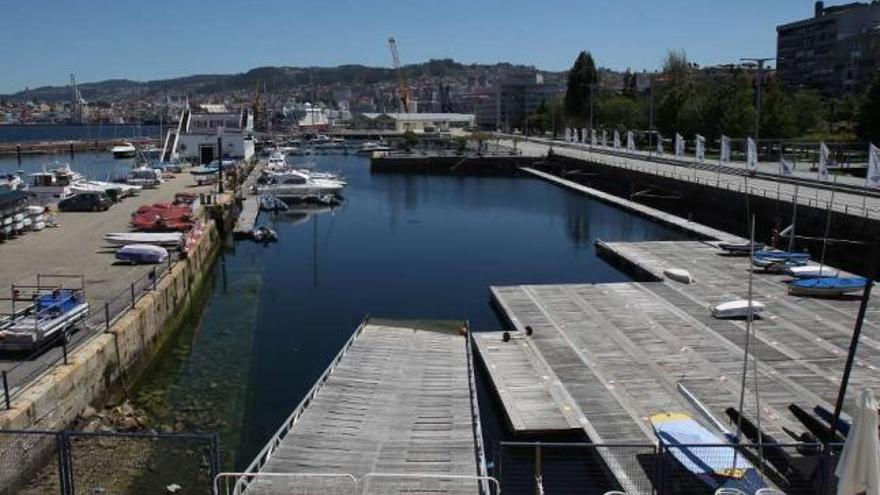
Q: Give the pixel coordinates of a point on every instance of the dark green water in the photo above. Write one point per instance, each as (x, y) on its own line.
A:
(403, 246)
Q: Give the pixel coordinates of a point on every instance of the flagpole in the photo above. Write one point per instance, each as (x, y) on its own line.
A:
(827, 227)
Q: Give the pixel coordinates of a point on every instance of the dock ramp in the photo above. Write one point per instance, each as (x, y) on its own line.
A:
(394, 412)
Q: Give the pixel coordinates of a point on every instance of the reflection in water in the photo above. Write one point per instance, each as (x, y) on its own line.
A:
(404, 246)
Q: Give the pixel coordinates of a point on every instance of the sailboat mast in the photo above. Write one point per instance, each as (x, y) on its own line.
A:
(749, 317)
(827, 228)
(794, 205)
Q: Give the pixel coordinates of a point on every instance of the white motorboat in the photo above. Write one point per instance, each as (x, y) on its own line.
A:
(11, 182)
(370, 147)
(277, 162)
(144, 176)
(124, 150)
(737, 309)
(295, 184)
(168, 239)
(52, 186)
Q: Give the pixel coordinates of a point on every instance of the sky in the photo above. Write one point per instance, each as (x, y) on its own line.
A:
(43, 41)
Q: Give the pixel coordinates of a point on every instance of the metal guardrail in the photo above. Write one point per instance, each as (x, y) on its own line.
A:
(266, 453)
(621, 159)
(100, 319)
(801, 468)
(337, 483)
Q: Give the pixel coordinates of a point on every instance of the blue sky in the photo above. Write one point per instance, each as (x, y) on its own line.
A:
(42, 41)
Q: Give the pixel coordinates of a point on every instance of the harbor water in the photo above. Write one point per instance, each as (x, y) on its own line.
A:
(401, 245)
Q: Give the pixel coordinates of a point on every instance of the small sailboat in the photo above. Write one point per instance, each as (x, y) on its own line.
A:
(826, 286)
(741, 248)
(716, 465)
(737, 309)
(679, 275)
(812, 271)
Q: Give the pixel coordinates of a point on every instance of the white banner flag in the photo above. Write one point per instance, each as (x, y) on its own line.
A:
(616, 140)
(785, 167)
(583, 135)
(751, 155)
(873, 177)
(724, 158)
(567, 135)
(592, 137)
(679, 145)
(630, 142)
(604, 138)
(659, 139)
(824, 156)
(700, 154)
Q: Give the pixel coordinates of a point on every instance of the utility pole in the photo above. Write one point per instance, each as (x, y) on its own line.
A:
(758, 83)
(220, 159)
(592, 89)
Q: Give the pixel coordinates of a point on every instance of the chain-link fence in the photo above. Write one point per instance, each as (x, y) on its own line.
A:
(67, 463)
(558, 468)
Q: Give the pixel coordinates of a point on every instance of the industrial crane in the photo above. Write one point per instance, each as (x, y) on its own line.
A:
(402, 88)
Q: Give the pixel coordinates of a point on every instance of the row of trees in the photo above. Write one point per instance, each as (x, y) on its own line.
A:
(689, 102)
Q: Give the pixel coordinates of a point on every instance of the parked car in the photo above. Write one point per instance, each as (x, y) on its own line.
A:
(87, 201)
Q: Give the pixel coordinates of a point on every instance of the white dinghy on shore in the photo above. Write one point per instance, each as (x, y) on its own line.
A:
(679, 275)
(737, 309)
(168, 239)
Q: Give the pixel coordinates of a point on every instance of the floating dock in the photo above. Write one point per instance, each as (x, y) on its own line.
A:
(681, 224)
(395, 410)
(250, 207)
(619, 351)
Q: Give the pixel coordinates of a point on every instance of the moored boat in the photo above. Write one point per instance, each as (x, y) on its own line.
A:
(741, 247)
(826, 286)
(168, 239)
(812, 271)
(124, 150)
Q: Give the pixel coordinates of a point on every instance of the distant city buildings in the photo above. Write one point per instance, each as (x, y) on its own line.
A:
(837, 51)
(514, 98)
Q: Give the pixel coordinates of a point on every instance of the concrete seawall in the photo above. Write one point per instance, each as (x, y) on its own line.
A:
(54, 400)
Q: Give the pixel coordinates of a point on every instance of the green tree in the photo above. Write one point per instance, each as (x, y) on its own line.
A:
(621, 112)
(676, 94)
(809, 109)
(409, 139)
(736, 116)
(581, 78)
(777, 117)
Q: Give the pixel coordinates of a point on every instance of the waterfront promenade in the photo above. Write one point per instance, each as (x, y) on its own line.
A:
(851, 198)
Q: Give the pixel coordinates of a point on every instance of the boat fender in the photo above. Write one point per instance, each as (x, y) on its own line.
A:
(506, 337)
(529, 330)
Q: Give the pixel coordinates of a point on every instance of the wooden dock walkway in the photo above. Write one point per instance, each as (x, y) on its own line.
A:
(676, 222)
(399, 399)
(620, 350)
(250, 207)
(533, 402)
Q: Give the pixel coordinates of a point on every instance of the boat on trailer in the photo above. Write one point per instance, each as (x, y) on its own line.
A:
(826, 286)
(49, 313)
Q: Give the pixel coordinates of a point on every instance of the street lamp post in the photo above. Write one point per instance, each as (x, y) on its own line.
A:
(758, 83)
(220, 159)
(651, 116)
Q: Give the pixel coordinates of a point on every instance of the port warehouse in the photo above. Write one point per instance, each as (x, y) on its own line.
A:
(155, 320)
